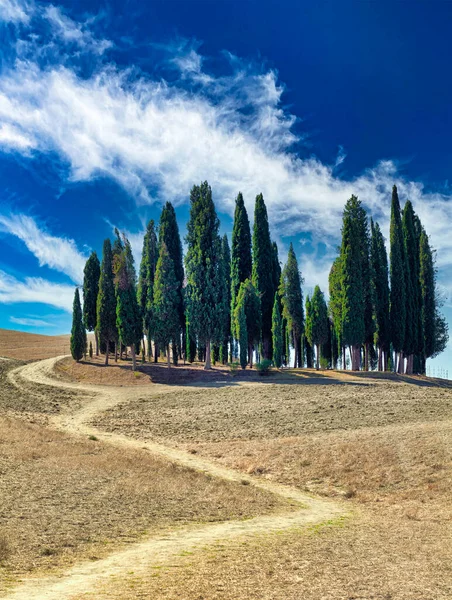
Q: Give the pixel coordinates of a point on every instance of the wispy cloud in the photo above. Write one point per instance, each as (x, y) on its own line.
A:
(15, 11)
(57, 253)
(158, 137)
(29, 322)
(35, 289)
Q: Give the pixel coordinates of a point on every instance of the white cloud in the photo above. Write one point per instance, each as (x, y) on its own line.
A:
(15, 11)
(12, 138)
(28, 322)
(57, 253)
(231, 130)
(35, 289)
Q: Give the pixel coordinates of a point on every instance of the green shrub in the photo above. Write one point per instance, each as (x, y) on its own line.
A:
(263, 367)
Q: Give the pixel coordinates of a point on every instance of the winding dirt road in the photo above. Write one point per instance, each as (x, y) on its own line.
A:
(88, 577)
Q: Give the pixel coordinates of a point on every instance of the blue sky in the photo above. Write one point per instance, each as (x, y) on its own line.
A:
(108, 109)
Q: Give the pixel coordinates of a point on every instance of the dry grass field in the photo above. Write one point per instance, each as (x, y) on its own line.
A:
(32, 346)
(377, 446)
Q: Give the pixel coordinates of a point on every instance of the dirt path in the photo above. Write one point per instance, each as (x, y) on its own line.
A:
(86, 577)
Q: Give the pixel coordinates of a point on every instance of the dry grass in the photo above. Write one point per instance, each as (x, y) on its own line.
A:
(64, 498)
(267, 411)
(386, 446)
(31, 346)
(365, 559)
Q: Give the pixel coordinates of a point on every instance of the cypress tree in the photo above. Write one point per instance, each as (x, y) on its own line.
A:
(165, 307)
(263, 270)
(128, 317)
(308, 333)
(366, 278)
(106, 301)
(91, 274)
(203, 269)
(169, 234)
(397, 275)
(380, 283)
(292, 300)
(411, 285)
(353, 301)
(241, 262)
(243, 334)
(428, 309)
(248, 299)
(190, 344)
(145, 290)
(335, 305)
(225, 299)
(317, 329)
(277, 333)
(78, 333)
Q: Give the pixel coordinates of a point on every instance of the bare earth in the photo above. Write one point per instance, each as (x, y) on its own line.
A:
(316, 485)
(32, 346)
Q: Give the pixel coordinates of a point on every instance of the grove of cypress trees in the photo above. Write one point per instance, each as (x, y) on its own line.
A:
(78, 333)
(335, 305)
(169, 235)
(380, 275)
(292, 300)
(397, 305)
(263, 262)
(277, 333)
(203, 272)
(318, 329)
(241, 261)
(165, 307)
(91, 274)
(145, 290)
(128, 317)
(106, 301)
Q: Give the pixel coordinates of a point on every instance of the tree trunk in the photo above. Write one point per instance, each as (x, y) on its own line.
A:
(156, 352)
(107, 352)
(401, 364)
(207, 364)
(250, 355)
(134, 358)
(116, 351)
(380, 358)
(175, 352)
(317, 358)
(96, 338)
(295, 347)
(366, 357)
(149, 346)
(344, 359)
(168, 357)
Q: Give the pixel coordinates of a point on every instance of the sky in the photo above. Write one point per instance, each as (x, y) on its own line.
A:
(109, 109)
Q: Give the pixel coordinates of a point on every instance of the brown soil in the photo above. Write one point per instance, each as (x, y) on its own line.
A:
(32, 346)
(268, 411)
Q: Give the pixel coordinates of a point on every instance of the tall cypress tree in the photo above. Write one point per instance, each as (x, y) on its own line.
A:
(411, 285)
(106, 301)
(226, 298)
(277, 333)
(242, 333)
(380, 276)
(145, 290)
(169, 234)
(263, 270)
(203, 269)
(128, 316)
(397, 275)
(428, 309)
(292, 300)
(318, 327)
(366, 278)
(78, 333)
(241, 261)
(248, 299)
(335, 304)
(353, 300)
(165, 307)
(91, 274)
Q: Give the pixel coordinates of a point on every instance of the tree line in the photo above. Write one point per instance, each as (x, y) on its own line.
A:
(222, 303)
